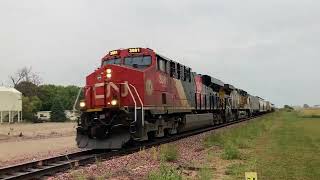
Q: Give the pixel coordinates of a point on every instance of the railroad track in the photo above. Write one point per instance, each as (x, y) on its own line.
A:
(50, 166)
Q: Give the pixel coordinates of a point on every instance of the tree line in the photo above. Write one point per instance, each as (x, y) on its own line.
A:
(43, 97)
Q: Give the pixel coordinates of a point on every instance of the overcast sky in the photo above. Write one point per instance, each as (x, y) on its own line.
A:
(269, 48)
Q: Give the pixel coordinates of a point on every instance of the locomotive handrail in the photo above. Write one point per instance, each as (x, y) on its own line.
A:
(135, 103)
(142, 110)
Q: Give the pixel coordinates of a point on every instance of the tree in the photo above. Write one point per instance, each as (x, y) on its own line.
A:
(288, 107)
(57, 111)
(30, 106)
(27, 88)
(306, 106)
(47, 93)
(67, 95)
(25, 74)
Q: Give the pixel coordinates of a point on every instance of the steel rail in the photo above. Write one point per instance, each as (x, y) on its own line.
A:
(50, 166)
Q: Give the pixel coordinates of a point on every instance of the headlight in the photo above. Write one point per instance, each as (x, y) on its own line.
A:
(82, 104)
(108, 73)
(114, 102)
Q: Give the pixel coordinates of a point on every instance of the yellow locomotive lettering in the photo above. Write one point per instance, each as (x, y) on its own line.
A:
(112, 53)
(134, 50)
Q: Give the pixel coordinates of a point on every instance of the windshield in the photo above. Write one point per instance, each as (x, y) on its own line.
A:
(140, 62)
(111, 61)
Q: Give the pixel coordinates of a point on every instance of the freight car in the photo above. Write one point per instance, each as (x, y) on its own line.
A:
(138, 94)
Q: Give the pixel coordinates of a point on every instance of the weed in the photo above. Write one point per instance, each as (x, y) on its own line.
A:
(205, 173)
(165, 173)
(154, 153)
(106, 176)
(98, 162)
(168, 152)
(214, 140)
(230, 152)
(78, 175)
(235, 169)
(242, 143)
(210, 156)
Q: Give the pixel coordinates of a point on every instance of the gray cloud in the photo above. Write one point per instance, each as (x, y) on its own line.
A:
(269, 48)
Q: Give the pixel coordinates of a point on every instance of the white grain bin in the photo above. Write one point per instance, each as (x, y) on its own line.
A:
(10, 105)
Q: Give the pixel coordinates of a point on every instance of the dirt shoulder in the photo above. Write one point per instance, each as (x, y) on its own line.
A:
(23, 151)
(25, 142)
(27, 131)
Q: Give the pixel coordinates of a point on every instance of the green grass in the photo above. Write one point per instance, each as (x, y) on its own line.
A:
(168, 152)
(289, 149)
(239, 138)
(165, 173)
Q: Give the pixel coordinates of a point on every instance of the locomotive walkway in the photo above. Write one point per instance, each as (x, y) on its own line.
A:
(51, 166)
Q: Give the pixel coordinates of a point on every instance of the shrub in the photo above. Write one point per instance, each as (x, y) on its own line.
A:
(165, 173)
(230, 152)
(168, 152)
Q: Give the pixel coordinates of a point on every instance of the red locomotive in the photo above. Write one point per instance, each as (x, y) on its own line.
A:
(139, 94)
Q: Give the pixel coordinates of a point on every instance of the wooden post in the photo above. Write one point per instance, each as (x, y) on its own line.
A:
(1, 117)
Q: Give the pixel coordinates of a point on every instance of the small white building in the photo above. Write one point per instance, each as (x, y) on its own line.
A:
(45, 115)
(10, 105)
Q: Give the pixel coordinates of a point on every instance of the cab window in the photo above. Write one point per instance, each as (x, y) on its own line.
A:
(111, 61)
(178, 71)
(173, 69)
(139, 62)
(162, 64)
(187, 75)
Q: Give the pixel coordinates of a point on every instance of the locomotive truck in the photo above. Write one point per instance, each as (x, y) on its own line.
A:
(137, 94)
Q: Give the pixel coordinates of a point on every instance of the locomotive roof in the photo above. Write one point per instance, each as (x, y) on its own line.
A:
(214, 83)
(217, 81)
(169, 59)
(229, 86)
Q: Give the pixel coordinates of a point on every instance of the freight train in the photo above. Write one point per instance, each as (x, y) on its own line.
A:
(137, 94)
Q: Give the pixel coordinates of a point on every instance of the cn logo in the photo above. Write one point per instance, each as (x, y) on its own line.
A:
(109, 87)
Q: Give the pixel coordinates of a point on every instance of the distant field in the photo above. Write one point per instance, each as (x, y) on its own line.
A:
(282, 145)
(310, 112)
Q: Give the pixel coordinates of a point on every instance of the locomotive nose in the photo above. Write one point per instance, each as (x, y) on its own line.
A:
(112, 86)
